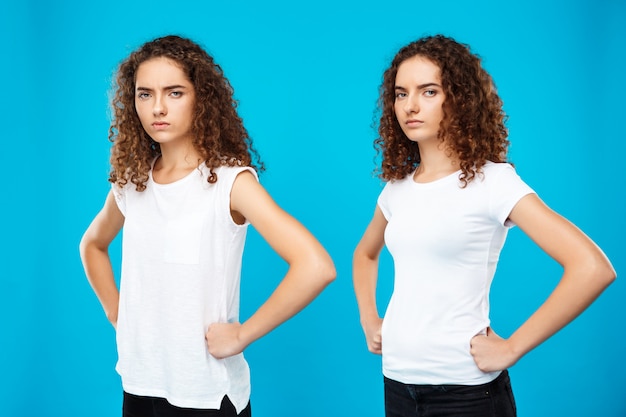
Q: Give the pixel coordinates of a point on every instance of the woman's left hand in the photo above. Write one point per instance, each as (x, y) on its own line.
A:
(223, 340)
(491, 352)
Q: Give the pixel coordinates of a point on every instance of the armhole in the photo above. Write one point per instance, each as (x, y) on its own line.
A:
(119, 195)
(231, 184)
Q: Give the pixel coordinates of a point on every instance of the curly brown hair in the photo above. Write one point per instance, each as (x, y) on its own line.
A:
(219, 135)
(473, 127)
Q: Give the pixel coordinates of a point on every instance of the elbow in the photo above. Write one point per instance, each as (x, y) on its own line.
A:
(358, 254)
(607, 273)
(314, 269)
(362, 256)
(604, 271)
(325, 271)
(332, 274)
(88, 246)
(328, 271)
(82, 247)
(600, 271)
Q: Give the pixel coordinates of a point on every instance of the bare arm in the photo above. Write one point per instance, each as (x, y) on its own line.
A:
(586, 273)
(95, 256)
(365, 277)
(310, 268)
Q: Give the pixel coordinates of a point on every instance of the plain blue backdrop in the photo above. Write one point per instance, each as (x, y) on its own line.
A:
(306, 75)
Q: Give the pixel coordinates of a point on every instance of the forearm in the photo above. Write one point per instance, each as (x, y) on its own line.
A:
(299, 287)
(365, 277)
(99, 271)
(574, 293)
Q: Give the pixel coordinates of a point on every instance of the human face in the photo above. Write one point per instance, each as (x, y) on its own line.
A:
(419, 99)
(164, 100)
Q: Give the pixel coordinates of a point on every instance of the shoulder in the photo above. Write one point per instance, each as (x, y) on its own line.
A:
(235, 182)
(119, 191)
(391, 187)
(497, 172)
(394, 189)
(230, 174)
(235, 169)
(496, 168)
(393, 183)
(226, 174)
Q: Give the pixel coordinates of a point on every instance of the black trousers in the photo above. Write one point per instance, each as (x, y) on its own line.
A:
(139, 406)
(494, 399)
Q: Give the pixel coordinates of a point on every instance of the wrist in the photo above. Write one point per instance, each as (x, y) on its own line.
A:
(112, 317)
(245, 336)
(514, 348)
(369, 318)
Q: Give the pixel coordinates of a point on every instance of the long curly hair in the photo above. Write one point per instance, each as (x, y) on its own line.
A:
(218, 132)
(473, 126)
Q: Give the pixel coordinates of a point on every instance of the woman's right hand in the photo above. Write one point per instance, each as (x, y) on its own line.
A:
(373, 335)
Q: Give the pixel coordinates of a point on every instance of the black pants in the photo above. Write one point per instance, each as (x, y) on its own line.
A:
(138, 406)
(494, 399)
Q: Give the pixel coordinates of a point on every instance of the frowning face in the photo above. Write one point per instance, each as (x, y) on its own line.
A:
(164, 100)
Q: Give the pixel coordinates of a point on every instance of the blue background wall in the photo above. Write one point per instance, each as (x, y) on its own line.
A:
(306, 75)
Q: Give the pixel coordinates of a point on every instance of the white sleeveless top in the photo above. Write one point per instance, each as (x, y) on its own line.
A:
(181, 264)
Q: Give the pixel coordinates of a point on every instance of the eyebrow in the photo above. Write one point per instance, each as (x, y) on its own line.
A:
(169, 87)
(419, 87)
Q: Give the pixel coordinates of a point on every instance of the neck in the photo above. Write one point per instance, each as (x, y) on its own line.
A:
(435, 162)
(178, 157)
(175, 163)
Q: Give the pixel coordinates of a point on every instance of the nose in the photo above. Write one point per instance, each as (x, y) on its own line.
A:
(159, 108)
(411, 104)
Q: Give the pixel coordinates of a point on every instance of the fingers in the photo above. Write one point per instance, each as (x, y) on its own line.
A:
(476, 339)
(375, 345)
(374, 342)
(375, 348)
(222, 340)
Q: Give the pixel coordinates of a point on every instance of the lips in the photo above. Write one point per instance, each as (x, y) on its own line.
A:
(160, 125)
(414, 122)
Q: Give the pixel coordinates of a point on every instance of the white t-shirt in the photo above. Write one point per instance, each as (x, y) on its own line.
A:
(181, 264)
(445, 242)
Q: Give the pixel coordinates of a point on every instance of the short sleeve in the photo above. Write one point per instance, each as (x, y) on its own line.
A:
(507, 189)
(383, 202)
(120, 197)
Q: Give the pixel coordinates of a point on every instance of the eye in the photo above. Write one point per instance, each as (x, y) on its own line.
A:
(142, 95)
(401, 94)
(176, 94)
(430, 93)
